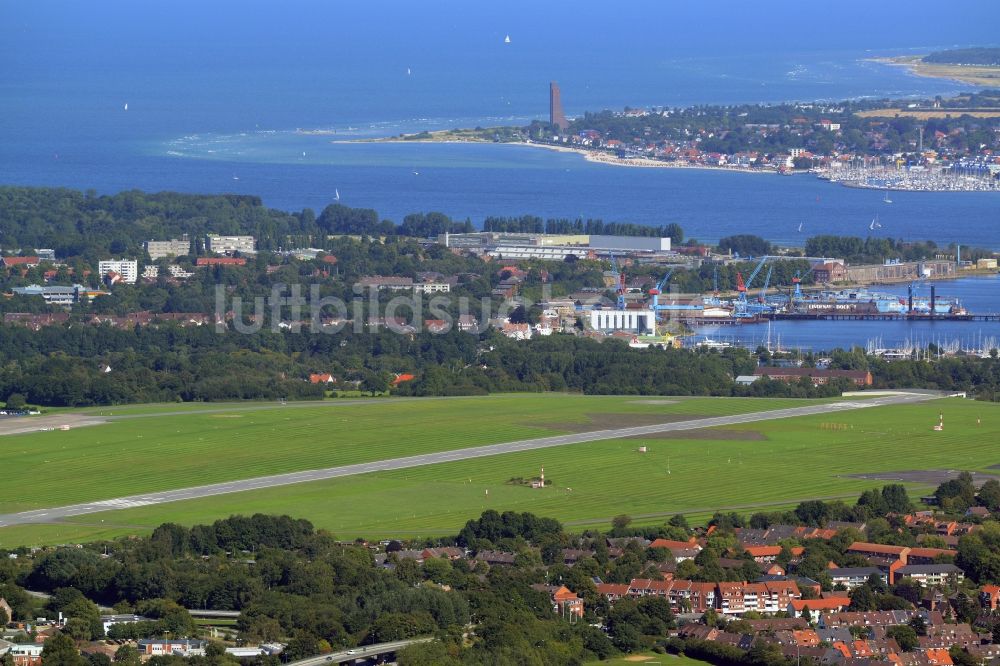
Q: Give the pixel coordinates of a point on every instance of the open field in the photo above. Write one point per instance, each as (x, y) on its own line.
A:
(159, 448)
(787, 461)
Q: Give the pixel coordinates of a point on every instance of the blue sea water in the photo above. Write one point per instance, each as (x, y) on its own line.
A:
(216, 91)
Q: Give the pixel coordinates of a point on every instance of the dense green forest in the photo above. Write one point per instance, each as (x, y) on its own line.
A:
(973, 56)
(92, 226)
(64, 366)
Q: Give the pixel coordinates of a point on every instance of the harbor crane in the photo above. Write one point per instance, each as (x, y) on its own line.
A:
(763, 290)
(658, 289)
(619, 282)
(742, 287)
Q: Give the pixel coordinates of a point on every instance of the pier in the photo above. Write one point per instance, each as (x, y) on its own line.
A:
(880, 316)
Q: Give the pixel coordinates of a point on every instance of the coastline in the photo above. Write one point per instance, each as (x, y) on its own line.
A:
(967, 74)
(594, 156)
(895, 180)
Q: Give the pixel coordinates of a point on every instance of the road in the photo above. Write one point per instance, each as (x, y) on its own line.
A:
(20, 425)
(258, 483)
(353, 654)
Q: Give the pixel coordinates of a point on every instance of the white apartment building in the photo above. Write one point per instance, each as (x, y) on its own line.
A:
(230, 244)
(127, 268)
(169, 248)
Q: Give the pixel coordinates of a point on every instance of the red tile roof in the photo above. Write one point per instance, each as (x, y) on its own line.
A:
(820, 604)
(19, 261)
(671, 544)
(763, 551)
(881, 549)
(220, 261)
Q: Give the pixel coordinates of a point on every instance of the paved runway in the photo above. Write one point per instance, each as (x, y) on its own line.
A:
(243, 485)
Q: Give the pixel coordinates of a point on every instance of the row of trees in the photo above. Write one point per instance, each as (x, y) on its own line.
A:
(989, 57)
(64, 366)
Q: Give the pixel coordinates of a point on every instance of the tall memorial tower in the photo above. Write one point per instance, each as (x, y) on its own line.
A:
(556, 115)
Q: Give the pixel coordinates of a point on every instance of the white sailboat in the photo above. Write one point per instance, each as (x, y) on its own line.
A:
(875, 223)
(336, 194)
(886, 198)
(800, 227)
(126, 106)
(506, 40)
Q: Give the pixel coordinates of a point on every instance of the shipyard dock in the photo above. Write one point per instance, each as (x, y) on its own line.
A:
(879, 316)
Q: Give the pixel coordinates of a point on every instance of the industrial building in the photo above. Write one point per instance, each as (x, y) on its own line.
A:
(629, 243)
(641, 322)
(553, 246)
(902, 271)
(58, 295)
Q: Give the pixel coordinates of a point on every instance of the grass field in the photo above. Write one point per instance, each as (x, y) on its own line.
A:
(766, 465)
(163, 447)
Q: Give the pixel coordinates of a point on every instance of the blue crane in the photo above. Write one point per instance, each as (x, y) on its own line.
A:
(797, 281)
(619, 282)
(767, 281)
(658, 289)
(742, 287)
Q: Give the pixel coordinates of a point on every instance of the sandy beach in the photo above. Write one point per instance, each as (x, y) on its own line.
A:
(975, 75)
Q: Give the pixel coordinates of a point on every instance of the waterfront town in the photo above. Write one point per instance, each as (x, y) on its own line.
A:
(932, 145)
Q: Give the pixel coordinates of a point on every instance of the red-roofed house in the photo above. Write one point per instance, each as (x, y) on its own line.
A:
(681, 550)
(928, 555)
(841, 647)
(613, 591)
(322, 378)
(564, 601)
(832, 605)
(830, 271)
(879, 550)
(989, 596)
(805, 637)
(939, 657)
(818, 376)
(763, 554)
(23, 262)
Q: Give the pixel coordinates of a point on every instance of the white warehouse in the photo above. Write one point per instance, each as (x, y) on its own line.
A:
(630, 243)
(634, 321)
